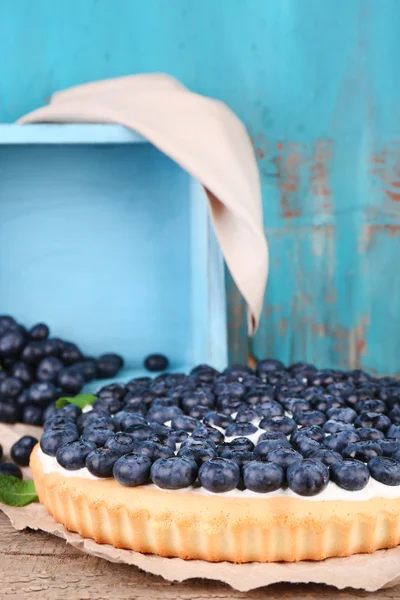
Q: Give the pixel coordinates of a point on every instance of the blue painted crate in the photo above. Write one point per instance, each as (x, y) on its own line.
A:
(109, 241)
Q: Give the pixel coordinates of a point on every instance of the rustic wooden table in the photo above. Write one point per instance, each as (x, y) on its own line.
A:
(36, 565)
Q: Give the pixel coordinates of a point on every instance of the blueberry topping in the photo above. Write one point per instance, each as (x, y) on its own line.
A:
(100, 462)
(350, 474)
(123, 443)
(132, 469)
(284, 457)
(199, 452)
(364, 450)
(385, 470)
(262, 477)
(307, 478)
(97, 434)
(327, 457)
(21, 450)
(53, 439)
(72, 455)
(153, 449)
(284, 424)
(219, 475)
(174, 473)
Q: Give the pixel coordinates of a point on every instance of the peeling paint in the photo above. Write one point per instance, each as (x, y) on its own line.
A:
(369, 232)
(386, 168)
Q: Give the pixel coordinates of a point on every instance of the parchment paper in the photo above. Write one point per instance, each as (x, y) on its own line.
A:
(369, 572)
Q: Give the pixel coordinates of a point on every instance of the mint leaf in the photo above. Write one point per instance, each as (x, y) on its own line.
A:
(15, 492)
(80, 400)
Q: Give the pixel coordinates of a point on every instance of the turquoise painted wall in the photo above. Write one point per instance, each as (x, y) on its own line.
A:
(317, 84)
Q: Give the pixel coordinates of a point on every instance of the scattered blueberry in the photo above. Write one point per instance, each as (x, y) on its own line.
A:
(48, 369)
(21, 450)
(70, 380)
(7, 468)
(39, 332)
(156, 362)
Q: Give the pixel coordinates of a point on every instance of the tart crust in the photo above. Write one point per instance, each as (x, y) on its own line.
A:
(216, 528)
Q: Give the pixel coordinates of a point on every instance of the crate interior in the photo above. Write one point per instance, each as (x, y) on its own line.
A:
(109, 243)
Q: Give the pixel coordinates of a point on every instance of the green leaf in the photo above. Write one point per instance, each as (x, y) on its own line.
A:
(80, 400)
(15, 492)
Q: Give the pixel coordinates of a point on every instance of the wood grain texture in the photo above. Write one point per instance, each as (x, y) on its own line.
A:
(37, 565)
(316, 84)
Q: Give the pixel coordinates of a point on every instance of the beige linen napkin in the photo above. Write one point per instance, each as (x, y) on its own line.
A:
(205, 138)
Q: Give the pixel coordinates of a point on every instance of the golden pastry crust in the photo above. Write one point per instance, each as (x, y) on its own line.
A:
(216, 528)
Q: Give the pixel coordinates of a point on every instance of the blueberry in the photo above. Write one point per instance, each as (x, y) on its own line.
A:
(49, 411)
(208, 433)
(374, 406)
(262, 477)
(94, 416)
(394, 416)
(154, 449)
(32, 414)
(70, 410)
(100, 462)
(132, 469)
(350, 474)
(308, 477)
(283, 424)
(11, 387)
(313, 431)
(364, 450)
(215, 419)
(6, 324)
(23, 372)
(156, 362)
(241, 442)
(393, 432)
(228, 406)
(240, 430)
(159, 429)
(72, 455)
(389, 447)
(309, 417)
(10, 469)
(198, 397)
(204, 373)
(48, 369)
(87, 368)
(385, 470)
(238, 371)
(140, 432)
(233, 389)
(162, 414)
(70, 381)
(238, 455)
(327, 402)
(269, 365)
(52, 347)
(39, 332)
(97, 434)
(270, 409)
(322, 377)
(327, 457)
(198, 412)
(219, 475)
(338, 441)
(245, 415)
(342, 389)
(184, 422)
(302, 368)
(369, 433)
(199, 452)
(272, 436)
(58, 420)
(124, 419)
(21, 450)
(42, 393)
(174, 473)
(284, 457)
(265, 446)
(108, 366)
(346, 415)
(137, 400)
(108, 404)
(123, 443)
(11, 344)
(70, 354)
(307, 445)
(336, 426)
(9, 412)
(373, 419)
(33, 353)
(178, 436)
(53, 439)
(259, 395)
(115, 391)
(294, 405)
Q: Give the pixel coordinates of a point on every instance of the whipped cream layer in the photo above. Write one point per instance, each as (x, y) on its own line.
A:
(373, 489)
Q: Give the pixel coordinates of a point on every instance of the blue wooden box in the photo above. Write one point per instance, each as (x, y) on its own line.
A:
(109, 241)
